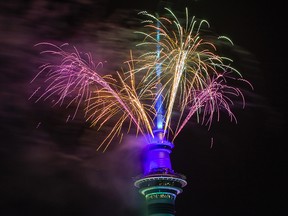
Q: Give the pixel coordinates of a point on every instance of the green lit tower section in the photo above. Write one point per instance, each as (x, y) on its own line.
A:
(159, 183)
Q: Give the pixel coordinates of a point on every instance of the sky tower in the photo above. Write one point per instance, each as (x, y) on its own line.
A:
(159, 183)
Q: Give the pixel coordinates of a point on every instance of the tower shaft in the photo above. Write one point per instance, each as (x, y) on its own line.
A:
(159, 184)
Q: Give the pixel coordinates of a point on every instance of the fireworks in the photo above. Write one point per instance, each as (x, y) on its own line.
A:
(178, 75)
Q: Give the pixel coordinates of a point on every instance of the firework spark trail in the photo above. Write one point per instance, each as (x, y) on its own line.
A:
(213, 99)
(131, 96)
(192, 80)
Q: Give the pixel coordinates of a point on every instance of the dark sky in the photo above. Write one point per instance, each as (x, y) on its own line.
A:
(50, 167)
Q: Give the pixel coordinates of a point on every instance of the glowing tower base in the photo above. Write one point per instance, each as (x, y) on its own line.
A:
(160, 184)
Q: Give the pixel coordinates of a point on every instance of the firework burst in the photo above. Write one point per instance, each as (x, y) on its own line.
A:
(192, 80)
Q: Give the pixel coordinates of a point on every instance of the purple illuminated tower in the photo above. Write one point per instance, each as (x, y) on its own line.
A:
(159, 183)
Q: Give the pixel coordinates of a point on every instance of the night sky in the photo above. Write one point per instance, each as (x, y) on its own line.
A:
(50, 167)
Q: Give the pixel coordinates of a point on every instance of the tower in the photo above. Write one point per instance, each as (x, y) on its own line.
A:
(159, 184)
